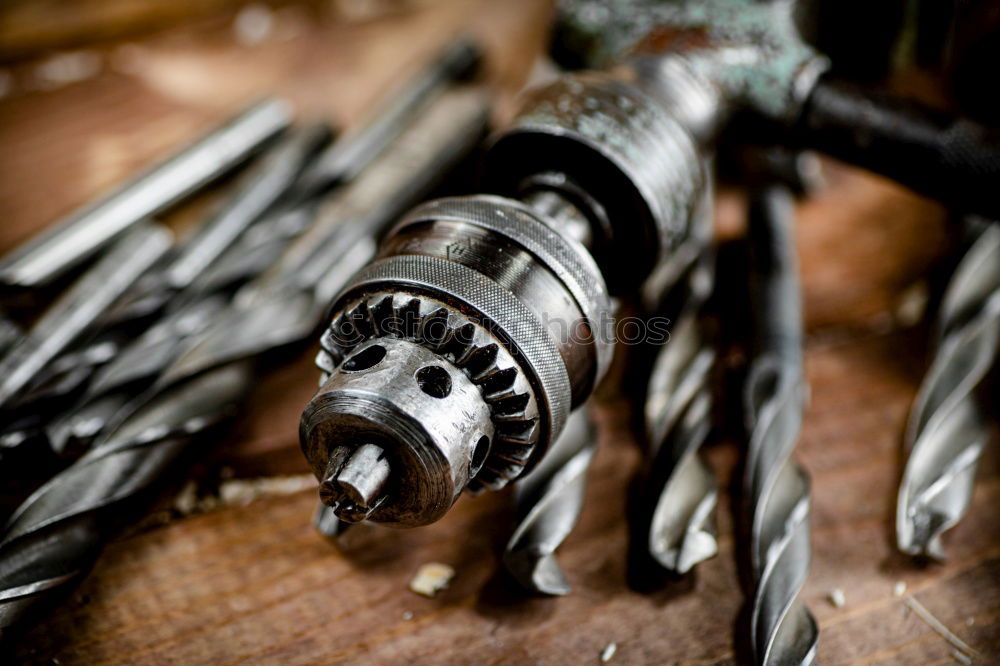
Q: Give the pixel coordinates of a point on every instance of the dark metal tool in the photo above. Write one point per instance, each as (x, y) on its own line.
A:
(77, 237)
(776, 488)
(80, 307)
(56, 534)
(604, 173)
(948, 427)
(954, 160)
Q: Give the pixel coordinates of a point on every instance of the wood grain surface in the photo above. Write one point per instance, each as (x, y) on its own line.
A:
(253, 583)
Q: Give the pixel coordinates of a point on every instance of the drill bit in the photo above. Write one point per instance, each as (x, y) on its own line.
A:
(56, 534)
(947, 429)
(134, 367)
(71, 376)
(680, 491)
(78, 308)
(782, 630)
(230, 248)
(258, 191)
(548, 503)
(78, 236)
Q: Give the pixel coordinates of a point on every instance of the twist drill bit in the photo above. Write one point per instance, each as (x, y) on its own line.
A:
(76, 310)
(947, 429)
(548, 503)
(130, 365)
(56, 534)
(47, 421)
(680, 491)
(782, 629)
(133, 369)
(84, 232)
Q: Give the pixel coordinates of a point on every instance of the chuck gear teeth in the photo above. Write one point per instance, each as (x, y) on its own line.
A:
(470, 347)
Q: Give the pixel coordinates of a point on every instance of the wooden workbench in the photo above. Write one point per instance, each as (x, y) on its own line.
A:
(252, 582)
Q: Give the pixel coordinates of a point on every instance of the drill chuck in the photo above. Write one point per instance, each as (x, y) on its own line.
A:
(454, 359)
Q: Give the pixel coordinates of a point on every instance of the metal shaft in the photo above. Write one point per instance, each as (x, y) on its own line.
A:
(257, 192)
(56, 534)
(80, 307)
(951, 159)
(948, 426)
(776, 489)
(78, 236)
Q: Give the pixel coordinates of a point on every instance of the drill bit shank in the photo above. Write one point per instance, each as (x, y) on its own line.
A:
(77, 237)
(80, 307)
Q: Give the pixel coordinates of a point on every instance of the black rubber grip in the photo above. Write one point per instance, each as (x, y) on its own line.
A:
(950, 159)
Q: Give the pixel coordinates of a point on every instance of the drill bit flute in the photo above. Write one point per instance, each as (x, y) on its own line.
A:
(776, 488)
(680, 491)
(948, 430)
(548, 502)
(55, 535)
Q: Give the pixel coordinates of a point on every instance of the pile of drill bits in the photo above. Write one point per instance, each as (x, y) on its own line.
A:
(172, 339)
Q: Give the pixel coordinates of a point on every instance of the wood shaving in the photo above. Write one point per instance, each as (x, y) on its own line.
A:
(239, 492)
(431, 578)
(921, 611)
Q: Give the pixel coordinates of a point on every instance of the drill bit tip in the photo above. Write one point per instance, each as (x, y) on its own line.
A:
(537, 571)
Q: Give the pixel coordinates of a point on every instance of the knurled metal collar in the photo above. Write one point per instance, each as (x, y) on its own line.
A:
(565, 257)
